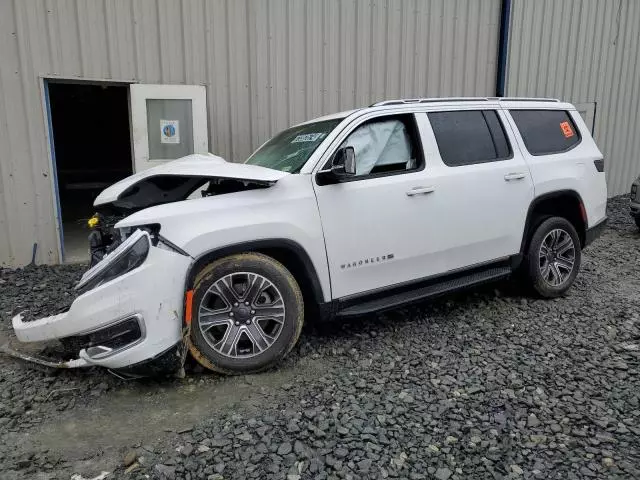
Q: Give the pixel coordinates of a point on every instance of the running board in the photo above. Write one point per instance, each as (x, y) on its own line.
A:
(433, 289)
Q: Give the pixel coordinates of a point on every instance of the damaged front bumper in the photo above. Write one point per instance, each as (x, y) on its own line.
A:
(121, 320)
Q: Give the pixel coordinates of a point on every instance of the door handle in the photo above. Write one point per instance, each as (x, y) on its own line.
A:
(420, 191)
(514, 176)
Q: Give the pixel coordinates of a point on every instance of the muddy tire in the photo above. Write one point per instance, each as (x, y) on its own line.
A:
(247, 314)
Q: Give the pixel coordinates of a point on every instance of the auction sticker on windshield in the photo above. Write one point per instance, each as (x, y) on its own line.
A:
(308, 137)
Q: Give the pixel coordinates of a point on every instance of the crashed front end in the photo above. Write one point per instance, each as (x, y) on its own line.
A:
(128, 314)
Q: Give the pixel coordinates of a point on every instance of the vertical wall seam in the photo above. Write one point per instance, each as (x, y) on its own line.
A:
(250, 55)
(107, 32)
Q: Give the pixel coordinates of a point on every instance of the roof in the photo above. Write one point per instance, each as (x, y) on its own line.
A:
(512, 102)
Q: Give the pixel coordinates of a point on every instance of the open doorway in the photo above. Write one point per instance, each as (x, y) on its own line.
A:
(92, 149)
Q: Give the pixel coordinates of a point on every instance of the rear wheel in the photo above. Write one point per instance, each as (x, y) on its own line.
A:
(553, 257)
(247, 314)
(637, 219)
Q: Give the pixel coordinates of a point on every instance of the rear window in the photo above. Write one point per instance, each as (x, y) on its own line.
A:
(466, 137)
(546, 131)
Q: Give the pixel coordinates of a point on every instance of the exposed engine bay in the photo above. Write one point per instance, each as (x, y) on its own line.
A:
(152, 191)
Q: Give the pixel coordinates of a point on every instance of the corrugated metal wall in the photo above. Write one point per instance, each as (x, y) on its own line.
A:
(584, 51)
(267, 64)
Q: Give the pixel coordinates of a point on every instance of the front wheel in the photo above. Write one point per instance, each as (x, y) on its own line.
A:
(247, 315)
(553, 257)
(637, 219)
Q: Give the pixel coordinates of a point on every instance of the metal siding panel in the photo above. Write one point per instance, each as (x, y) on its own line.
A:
(238, 52)
(34, 200)
(218, 68)
(363, 34)
(261, 99)
(421, 53)
(458, 63)
(297, 61)
(331, 54)
(393, 66)
(146, 34)
(9, 85)
(377, 54)
(266, 64)
(592, 55)
(627, 96)
(93, 39)
(314, 58)
(119, 30)
(471, 50)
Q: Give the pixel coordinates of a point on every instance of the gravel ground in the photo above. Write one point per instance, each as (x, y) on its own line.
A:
(484, 384)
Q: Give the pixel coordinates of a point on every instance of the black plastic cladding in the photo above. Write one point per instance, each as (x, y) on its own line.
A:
(548, 196)
(259, 246)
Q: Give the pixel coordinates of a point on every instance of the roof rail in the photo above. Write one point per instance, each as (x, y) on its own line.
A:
(409, 101)
(526, 99)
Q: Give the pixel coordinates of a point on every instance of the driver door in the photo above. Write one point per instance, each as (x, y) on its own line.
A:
(375, 225)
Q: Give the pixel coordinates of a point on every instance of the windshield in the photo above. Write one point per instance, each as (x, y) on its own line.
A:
(289, 150)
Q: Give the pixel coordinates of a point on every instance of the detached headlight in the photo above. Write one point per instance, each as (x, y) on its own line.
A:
(128, 256)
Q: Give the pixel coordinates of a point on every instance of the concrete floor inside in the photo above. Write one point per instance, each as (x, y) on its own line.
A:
(76, 246)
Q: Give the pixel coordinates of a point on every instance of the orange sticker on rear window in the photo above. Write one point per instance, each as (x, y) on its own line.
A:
(566, 129)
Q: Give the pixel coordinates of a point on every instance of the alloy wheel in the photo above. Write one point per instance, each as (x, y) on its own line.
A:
(557, 257)
(241, 315)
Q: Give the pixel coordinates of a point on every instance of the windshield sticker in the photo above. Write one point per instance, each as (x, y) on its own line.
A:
(308, 137)
(566, 129)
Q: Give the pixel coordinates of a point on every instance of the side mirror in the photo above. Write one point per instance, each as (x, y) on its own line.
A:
(344, 162)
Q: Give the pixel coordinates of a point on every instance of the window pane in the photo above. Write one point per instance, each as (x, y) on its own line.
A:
(170, 129)
(289, 150)
(381, 146)
(546, 131)
(503, 149)
(464, 137)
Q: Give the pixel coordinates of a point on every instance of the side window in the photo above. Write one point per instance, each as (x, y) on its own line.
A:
(466, 137)
(546, 131)
(385, 145)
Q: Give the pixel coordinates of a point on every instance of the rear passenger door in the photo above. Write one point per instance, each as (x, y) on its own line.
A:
(482, 185)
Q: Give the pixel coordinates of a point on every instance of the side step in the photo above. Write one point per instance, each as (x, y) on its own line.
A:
(435, 288)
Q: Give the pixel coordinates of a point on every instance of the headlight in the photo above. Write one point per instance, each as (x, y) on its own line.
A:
(123, 261)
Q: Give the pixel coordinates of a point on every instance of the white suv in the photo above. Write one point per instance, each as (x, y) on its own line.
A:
(344, 215)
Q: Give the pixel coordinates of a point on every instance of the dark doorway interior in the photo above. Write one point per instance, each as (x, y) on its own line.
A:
(92, 145)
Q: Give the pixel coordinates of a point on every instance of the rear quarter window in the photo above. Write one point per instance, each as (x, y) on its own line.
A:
(467, 137)
(546, 132)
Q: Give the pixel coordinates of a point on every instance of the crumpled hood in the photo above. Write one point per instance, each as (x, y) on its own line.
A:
(193, 167)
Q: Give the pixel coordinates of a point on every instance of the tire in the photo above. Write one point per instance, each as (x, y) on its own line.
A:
(256, 330)
(637, 219)
(552, 268)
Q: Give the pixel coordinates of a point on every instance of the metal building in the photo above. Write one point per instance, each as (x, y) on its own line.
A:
(588, 53)
(85, 84)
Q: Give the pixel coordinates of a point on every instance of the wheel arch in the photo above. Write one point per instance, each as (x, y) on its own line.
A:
(563, 203)
(288, 252)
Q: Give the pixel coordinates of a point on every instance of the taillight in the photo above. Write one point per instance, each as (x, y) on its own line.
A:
(599, 164)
